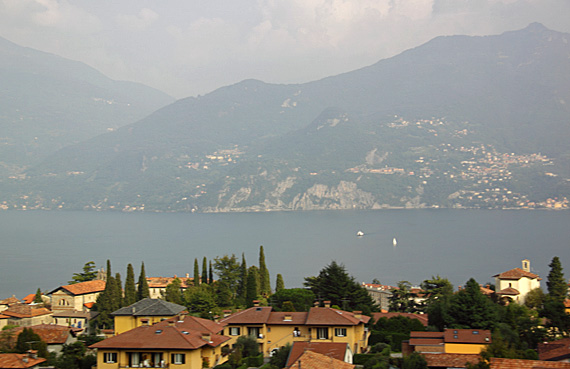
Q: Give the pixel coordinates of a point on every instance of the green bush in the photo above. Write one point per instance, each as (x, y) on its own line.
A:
(254, 361)
(361, 359)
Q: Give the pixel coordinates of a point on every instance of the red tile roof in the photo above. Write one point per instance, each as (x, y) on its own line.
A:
(516, 274)
(313, 360)
(336, 350)
(330, 316)
(49, 333)
(499, 363)
(509, 291)
(29, 299)
(554, 350)
(10, 361)
(10, 301)
(426, 341)
(423, 318)
(450, 360)
(477, 336)
(25, 311)
(169, 334)
(315, 316)
(83, 288)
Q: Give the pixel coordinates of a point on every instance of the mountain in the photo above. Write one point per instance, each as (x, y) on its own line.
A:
(48, 102)
(457, 122)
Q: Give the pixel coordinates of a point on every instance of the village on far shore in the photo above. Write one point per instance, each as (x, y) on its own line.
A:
(270, 333)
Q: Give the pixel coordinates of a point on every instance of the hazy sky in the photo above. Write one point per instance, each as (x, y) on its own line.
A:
(191, 47)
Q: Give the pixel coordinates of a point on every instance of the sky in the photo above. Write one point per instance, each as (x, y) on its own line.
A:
(192, 47)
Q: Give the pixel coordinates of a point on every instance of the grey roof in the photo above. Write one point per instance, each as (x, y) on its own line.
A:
(150, 307)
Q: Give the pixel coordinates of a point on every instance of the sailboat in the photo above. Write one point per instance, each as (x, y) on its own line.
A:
(394, 242)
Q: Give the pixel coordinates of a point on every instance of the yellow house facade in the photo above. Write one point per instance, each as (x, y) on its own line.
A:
(147, 311)
(450, 341)
(190, 343)
(276, 329)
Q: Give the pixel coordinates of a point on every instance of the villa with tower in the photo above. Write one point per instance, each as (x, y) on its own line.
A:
(516, 283)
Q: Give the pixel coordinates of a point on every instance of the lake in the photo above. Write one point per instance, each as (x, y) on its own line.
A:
(44, 249)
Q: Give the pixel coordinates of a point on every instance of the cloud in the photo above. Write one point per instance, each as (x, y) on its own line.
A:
(145, 18)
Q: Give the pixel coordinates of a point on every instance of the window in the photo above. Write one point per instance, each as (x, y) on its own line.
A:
(253, 331)
(178, 359)
(110, 357)
(134, 359)
(322, 333)
(234, 331)
(340, 332)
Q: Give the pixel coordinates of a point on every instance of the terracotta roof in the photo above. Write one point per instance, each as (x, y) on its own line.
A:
(19, 361)
(10, 301)
(49, 333)
(423, 318)
(315, 316)
(336, 350)
(150, 307)
(293, 318)
(330, 316)
(162, 282)
(313, 360)
(379, 287)
(555, 350)
(29, 299)
(421, 334)
(73, 314)
(499, 363)
(254, 315)
(509, 291)
(480, 336)
(486, 290)
(450, 360)
(83, 288)
(168, 334)
(516, 274)
(25, 311)
(426, 341)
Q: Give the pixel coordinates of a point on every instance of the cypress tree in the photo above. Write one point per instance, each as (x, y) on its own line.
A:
(130, 288)
(557, 287)
(211, 277)
(118, 292)
(279, 284)
(109, 275)
(143, 290)
(242, 287)
(38, 298)
(252, 286)
(204, 271)
(196, 273)
(264, 283)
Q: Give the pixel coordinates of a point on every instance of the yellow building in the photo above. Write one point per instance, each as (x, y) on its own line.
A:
(320, 324)
(190, 343)
(450, 341)
(144, 312)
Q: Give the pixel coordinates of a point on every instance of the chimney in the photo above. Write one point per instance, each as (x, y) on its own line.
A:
(180, 318)
(316, 304)
(255, 302)
(459, 288)
(171, 323)
(187, 275)
(327, 304)
(207, 336)
(33, 354)
(288, 317)
(357, 314)
(227, 313)
(526, 265)
(144, 322)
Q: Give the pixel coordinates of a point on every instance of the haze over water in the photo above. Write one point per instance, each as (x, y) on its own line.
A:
(44, 249)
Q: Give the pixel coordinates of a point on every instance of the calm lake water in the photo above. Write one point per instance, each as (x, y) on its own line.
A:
(44, 249)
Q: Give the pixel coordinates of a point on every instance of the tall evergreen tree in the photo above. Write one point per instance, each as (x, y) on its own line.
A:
(30, 340)
(264, 282)
(252, 285)
(38, 297)
(142, 291)
(557, 286)
(204, 271)
(469, 308)
(242, 288)
(109, 275)
(118, 293)
(130, 288)
(279, 283)
(196, 279)
(335, 284)
(211, 274)
(89, 273)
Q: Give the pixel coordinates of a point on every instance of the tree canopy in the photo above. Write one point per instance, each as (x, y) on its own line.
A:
(89, 273)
